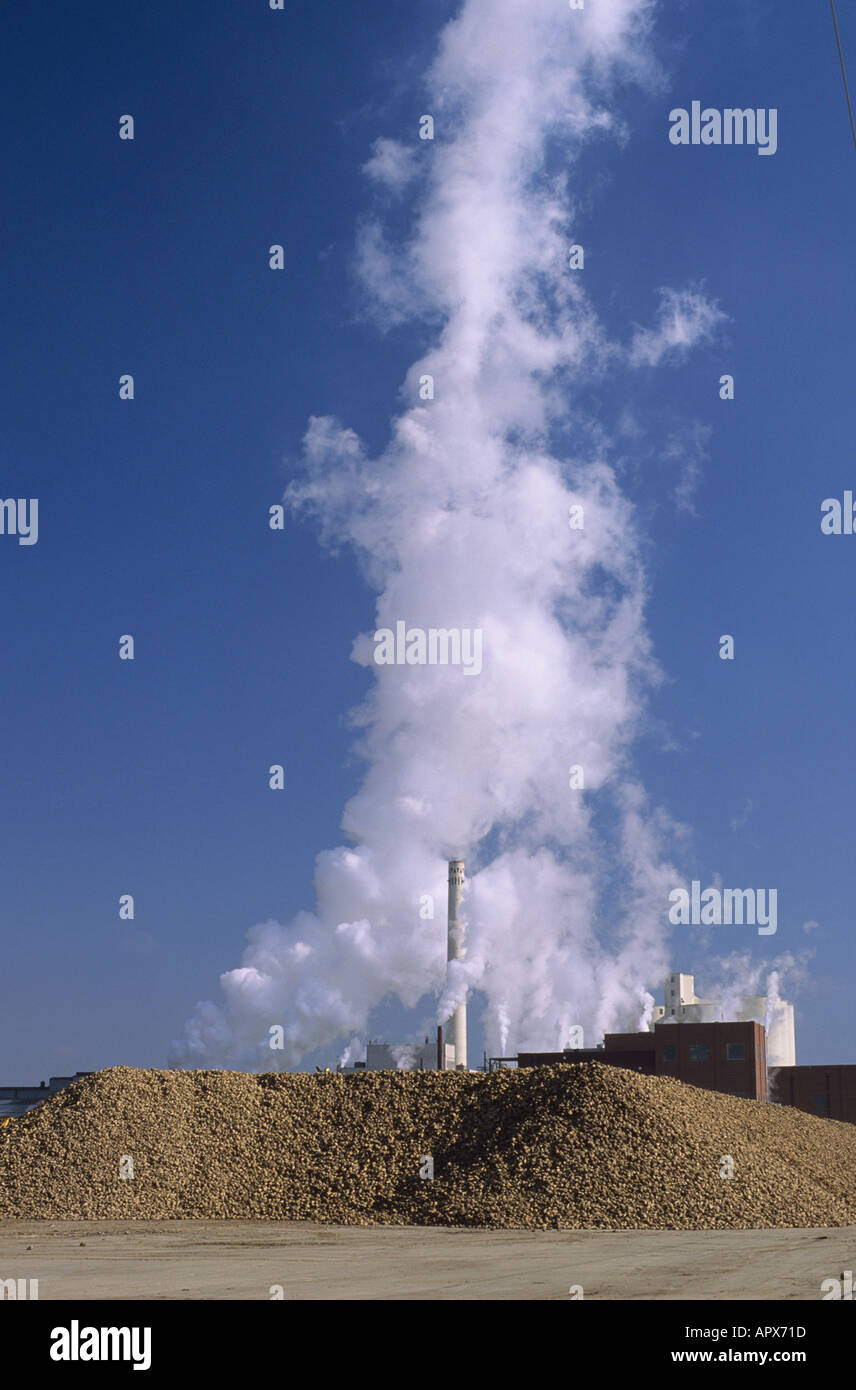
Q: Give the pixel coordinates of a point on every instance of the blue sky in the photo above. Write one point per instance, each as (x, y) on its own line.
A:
(151, 258)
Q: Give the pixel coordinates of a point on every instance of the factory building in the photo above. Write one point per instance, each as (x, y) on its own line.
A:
(727, 1057)
(407, 1057)
(692, 1041)
(682, 1005)
(17, 1100)
(829, 1091)
(778, 1019)
(752, 1055)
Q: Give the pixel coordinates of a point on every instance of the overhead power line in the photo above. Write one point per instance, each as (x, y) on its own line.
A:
(843, 71)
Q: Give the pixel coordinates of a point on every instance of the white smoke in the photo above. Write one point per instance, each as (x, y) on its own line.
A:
(737, 978)
(643, 1022)
(772, 1001)
(405, 1056)
(752, 989)
(355, 1051)
(462, 522)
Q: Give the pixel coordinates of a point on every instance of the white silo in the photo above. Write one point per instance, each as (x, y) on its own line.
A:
(777, 1017)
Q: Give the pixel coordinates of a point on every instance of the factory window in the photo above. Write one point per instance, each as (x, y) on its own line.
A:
(669, 1052)
(821, 1105)
(699, 1052)
(735, 1052)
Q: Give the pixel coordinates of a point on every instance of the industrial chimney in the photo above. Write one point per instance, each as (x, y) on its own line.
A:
(458, 1021)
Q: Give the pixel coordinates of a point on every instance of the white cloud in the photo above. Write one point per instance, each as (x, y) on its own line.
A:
(738, 822)
(392, 163)
(687, 448)
(685, 319)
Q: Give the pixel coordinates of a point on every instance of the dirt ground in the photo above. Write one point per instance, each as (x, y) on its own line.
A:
(253, 1260)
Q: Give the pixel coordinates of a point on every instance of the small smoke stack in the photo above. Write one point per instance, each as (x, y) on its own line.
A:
(458, 1021)
(441, 1053)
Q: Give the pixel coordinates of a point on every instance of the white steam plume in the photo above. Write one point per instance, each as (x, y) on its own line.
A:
(737, 978)
(748, 989)
(462, 523)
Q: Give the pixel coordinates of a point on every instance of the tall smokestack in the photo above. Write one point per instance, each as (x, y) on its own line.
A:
(458, 1021)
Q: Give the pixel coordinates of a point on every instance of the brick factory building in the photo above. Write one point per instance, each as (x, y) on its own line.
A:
(727, 1057)
(829, 1091)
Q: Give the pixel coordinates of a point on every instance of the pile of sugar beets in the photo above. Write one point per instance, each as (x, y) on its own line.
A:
(569, 1146)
